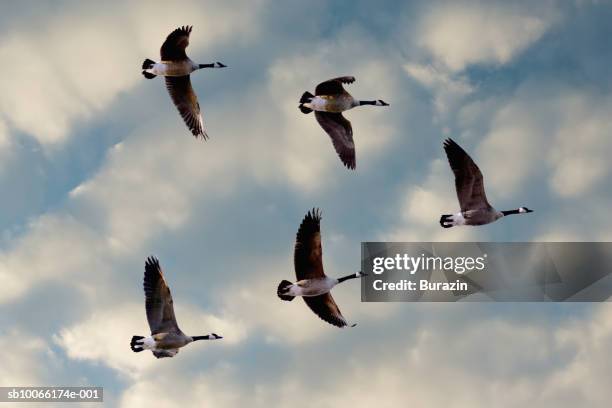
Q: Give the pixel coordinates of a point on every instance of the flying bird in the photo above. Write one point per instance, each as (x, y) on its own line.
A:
(475, 208)
(175, 66)
(312, 283)
(328, 103)
(166, 338)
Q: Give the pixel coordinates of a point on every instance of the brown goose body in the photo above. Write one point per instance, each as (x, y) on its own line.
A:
(166, 337)
(328, 103)
(312, 283)
(469, 185)
(176, 68)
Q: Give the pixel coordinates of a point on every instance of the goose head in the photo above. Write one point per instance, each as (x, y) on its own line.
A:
(380, 102)
(524, 210)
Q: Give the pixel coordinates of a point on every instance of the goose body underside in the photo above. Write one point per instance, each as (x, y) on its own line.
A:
(163, 341)
(471, 217)
(172, 68)
(332, 103)
(312, 287)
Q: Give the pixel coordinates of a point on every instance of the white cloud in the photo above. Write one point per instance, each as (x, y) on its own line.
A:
(562, 135)
(580, 153)
(448, 89)
(91, 339)
(424, 204)
(73, 66)
(25, 360)
(55, 247)
(301, 148)
(509, 365)
(465, 33)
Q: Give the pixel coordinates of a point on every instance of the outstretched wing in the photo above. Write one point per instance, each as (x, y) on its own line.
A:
(469, 182)
(186, 101)
(333, 86)
(173, 49)
(326, 308)
(341, 133)
(158, 300)
(307, 256)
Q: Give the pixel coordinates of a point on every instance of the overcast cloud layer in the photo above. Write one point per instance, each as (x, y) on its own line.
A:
(97, 172)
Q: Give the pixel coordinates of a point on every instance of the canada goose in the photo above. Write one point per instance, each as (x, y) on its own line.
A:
(175, 66)
(166, 337)
(475, 209)
(312, 283)
(328, 102)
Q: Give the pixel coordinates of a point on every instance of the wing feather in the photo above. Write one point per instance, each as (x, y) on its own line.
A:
(326, 308)
(173, 49)
(334, 86)
(340, 131)
(158, 300)
(186, 101)
(308, 255)
(469, 182)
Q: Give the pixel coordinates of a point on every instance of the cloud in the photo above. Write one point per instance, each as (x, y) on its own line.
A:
(301, 148)
(466, 33)
(422, 206)
(72, 67)
(476, 362)
(448, 89)
(91, 340)
(56, 247)
(559, 135)
(26, 361)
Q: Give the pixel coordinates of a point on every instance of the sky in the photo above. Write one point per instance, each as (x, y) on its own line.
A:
(97, 172)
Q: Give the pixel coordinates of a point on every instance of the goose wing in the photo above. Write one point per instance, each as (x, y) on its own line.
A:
(158, 300)
(341, 133)
(326, 308)
(173, 49)
(333, 86)
(469, 182)
(186, 101)
(307, 256)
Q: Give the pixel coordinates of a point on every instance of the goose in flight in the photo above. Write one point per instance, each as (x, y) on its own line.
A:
(328, 103)
(312, 283)
(175, 66)
(475, 208)
(166, 338)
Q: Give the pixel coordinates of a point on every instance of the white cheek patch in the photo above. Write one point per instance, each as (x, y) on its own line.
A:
(522, 210)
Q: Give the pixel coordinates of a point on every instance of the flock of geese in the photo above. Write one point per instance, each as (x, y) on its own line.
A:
(328, 103)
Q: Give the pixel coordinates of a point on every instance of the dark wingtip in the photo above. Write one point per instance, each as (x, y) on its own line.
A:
(315, 214)
(152, 261)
